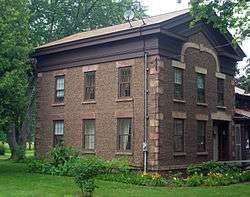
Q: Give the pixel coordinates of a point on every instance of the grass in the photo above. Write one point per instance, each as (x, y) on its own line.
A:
(16, 181)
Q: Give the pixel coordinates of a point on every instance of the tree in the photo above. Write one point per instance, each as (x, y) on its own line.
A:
(244, 80)
(15, 73)
(55, 19)
(224, 15)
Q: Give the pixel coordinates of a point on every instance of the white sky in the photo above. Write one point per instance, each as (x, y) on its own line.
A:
(156, 7)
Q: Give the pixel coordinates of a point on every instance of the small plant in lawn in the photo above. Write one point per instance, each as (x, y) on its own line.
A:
(84, 173)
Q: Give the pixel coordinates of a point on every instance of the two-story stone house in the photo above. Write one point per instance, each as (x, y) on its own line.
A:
(92, 92)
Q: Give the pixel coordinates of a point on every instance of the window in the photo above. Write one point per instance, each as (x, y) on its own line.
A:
(178, 135)
(201, 136)
(89, 85)
(89, 134)
(220, 92)
(58, 131)
(178, 83)
(200, 88)
(59, 93)
(124, 130)
(124, 79)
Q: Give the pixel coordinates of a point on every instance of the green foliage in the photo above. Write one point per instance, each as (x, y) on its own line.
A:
(195, 180)
(148, 179)
(2, 149)
(52, 20)
(35, 165)
(214, 167)
(61, 154)
(224, 15)
(84, 172)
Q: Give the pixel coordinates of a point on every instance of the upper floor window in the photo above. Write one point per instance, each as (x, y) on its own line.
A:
(201, 136)
(178, 135)
(124, 80)
(201, 88)
(220, 92)
(59, 89)
(124, 132)
(178, 83)
(89, 85)
(58, 131)
(89, 134)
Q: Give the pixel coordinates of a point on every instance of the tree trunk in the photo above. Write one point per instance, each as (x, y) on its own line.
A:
(12, 142)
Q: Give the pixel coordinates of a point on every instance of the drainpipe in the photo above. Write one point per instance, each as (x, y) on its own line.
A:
(145, 143)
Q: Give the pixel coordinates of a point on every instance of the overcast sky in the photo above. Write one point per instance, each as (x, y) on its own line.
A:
(156, 7)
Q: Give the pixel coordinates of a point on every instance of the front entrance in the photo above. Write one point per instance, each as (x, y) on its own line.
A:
(221, 140)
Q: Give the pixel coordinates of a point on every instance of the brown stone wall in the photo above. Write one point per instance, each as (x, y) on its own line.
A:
(105, 110)
(189, 108)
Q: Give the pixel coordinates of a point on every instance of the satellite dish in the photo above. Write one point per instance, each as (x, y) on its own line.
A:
(129, 15)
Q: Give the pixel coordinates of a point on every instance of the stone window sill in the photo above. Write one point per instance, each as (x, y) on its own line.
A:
(57, 104)
(202, 104)
(179, 101)
(221, 107)
(124, 153)
(89, 152)
(180, 154)
(202, 153)
(125, 99)
(89, 102)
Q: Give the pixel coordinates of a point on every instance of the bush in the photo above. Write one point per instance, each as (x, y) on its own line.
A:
(148, 179)
(213, 167)
(35, 165)
(195, 180)
(2, 149)
(85, 170)
(61, 154)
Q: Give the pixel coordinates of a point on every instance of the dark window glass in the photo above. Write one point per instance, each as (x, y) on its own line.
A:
(89, 85)
(89, 134)
(201, 136)
(124, 79)
(220, 92)
(178, 83)
(201, 88)
(124, 131)
(178, 135)
(58, 131)
(59, 89)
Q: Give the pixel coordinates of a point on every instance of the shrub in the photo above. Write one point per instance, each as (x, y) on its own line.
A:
(85, 170)
(143, 179)
(195, 180)
(61, 154)
(35, 165)
(2, 149)
(213, 167)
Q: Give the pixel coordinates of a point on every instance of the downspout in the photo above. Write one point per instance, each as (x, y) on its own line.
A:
(145, 142)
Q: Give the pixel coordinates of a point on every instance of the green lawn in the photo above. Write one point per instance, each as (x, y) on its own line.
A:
(15, 181)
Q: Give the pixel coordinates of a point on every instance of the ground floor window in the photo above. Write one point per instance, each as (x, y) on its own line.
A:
(201, 136)
(125, 133)
(58, 131)
(89, 134)
(178, 135)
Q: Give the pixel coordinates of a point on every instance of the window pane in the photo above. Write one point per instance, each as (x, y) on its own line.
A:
(59, 128)
(89, 134)
(89, 84)
(178, 76)
(178, 135)
(60, 83)
(124, 126)
(200, 81)
(201, 136)
(124, 81)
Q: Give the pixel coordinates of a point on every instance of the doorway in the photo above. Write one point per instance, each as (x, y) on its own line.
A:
(221, 140)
